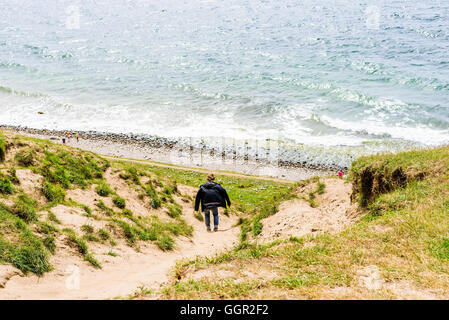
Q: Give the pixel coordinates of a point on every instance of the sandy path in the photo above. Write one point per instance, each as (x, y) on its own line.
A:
(120, 276)
(334, 212)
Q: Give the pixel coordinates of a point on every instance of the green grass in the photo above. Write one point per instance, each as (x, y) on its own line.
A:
(31, 259)
(13, 176)
(25, 158)
(119, 202)
(105, 209)
(87, 228)
(89, 258)
(199, 216)
(25, 208)
(66, 168)
(25, 240)
(82, 247)
(6, 186)
(103, 189)
(165, 242)
(152, 193)
(103, 234)
(257, 199)
(52, 217)
(90, 237)
(174, 210)
(440, 248)
(3, 147)
(21, 247)
(53, 193)
(406, 195)
(320, 188)
(49, 243)
(78, 243)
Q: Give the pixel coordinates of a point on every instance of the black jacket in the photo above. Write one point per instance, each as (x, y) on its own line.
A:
(211, 195)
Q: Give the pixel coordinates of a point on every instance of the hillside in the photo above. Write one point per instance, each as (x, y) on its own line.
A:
(128, 230)
(121, 225)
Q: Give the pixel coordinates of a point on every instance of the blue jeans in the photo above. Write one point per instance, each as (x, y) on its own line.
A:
(207, 212)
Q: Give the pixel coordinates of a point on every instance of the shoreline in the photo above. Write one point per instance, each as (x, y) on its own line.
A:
(166, 151)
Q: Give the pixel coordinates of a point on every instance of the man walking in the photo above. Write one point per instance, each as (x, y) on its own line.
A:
(211, 195)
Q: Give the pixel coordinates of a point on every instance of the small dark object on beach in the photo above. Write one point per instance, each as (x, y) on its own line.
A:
(63, 140)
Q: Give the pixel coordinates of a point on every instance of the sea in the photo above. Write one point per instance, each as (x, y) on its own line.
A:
(321, 82)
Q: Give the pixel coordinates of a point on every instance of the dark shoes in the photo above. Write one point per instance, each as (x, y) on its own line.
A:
(208, 229)
(215, 229)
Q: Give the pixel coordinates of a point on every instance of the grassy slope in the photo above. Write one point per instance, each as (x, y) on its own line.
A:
(27, 240)
(404, 232)
(404, 199)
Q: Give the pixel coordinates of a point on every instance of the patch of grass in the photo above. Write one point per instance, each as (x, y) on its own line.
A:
(87, 210)
(24, 207)
(321, 188)
(152, 193)
(90, 237)
(80, 245)
(125, 175)
(103, 207)
(112, 254)
(46, 228)
(103, 190)
(119, 202)
(66, 168)
(13, 176)
(130, 232)
(87, 228)
(31, 259)
(6, 186)
(53, 193)
(25, 158)
(213, 290)
(257, 226)
(180, 227)
(165, 242)
(198, 215)
(174, 211)
(20, 246)
(3, 147)
(90, 258)
(52, 217)
(49, 243)
(127, 213)
(440, 249)
(103, 234)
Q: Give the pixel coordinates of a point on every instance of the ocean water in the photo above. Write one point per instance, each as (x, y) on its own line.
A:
(327, 80)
